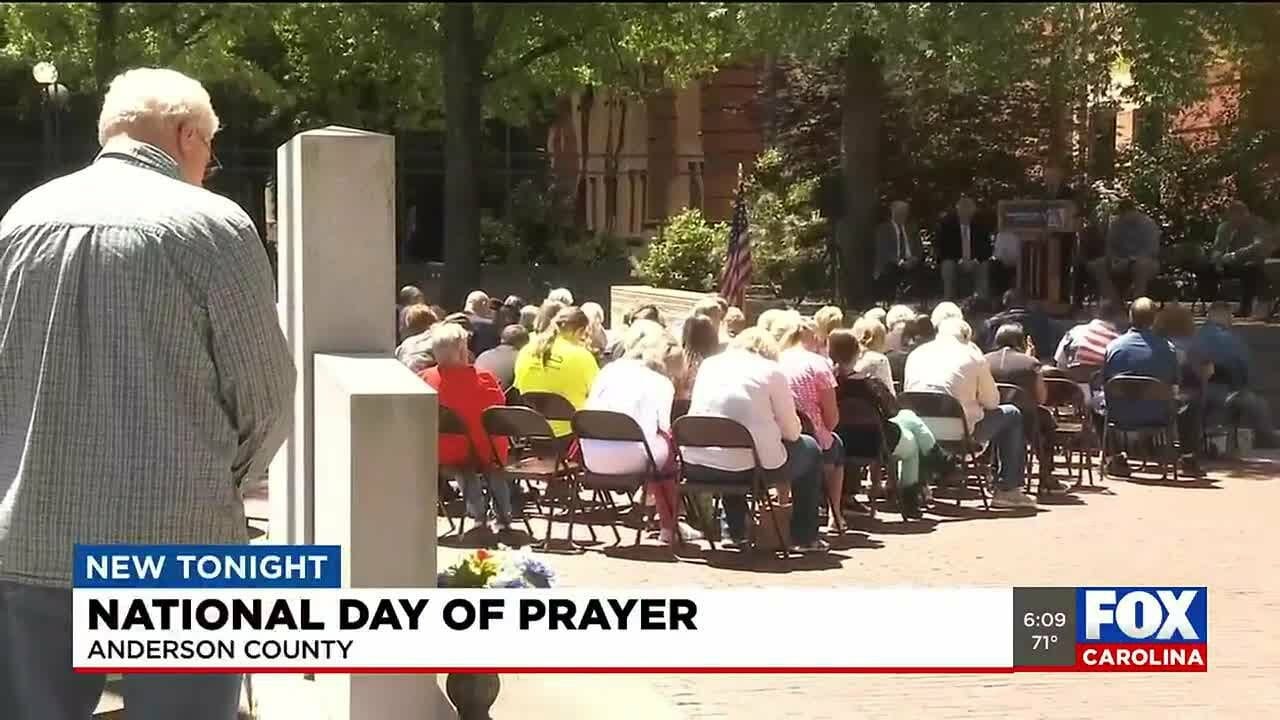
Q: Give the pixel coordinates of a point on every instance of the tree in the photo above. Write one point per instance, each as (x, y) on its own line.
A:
(1067, 50)
(505, 59)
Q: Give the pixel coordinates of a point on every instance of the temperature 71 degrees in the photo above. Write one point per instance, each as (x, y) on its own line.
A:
(1043, 642)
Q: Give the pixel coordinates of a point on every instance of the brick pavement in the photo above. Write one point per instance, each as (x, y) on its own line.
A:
(1212, 533)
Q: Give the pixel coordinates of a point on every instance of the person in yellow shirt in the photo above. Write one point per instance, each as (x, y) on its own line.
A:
(559, 361)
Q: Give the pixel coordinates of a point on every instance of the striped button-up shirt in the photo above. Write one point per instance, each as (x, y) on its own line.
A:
(143, 373)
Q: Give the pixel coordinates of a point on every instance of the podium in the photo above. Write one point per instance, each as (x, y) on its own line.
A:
(1044, 229)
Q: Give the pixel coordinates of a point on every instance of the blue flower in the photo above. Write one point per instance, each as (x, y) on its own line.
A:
(536, 572)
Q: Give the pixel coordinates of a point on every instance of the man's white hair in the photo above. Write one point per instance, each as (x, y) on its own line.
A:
(154, 96)
(898, 314)
(477, 301)
(946, 310)
(594, 311)
(561, 295)
(956, 329)
(449, 344)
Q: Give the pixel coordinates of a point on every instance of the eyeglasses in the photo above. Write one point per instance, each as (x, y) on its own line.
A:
(212, 167)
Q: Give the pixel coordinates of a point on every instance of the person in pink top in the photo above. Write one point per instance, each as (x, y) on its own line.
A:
(813, 385)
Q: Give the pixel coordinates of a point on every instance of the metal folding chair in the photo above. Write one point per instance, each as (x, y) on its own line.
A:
(1126, 389)
(1073, 432)
(452, 424)
(606, 426)
(536, 455)
(946, 420)
(701, 431)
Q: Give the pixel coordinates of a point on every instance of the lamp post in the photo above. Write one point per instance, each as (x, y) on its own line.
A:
(53, 97)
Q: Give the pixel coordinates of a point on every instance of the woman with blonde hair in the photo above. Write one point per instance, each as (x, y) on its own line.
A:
(639, 386)
(558, 361)
(596, 335)
(827, 319)
(813, 387)
(871, 360)
(745, 384)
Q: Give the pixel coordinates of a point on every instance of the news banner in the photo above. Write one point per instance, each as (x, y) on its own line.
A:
(263, 609)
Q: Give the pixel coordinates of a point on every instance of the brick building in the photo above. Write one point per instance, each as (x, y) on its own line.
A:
(634, 162)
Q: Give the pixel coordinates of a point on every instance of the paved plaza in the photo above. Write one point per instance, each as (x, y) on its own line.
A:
(1219, 532)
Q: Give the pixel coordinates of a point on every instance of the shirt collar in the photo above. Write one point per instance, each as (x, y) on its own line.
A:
(143, 155)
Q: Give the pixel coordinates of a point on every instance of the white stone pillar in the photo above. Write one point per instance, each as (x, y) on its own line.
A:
(335, 202)
(375, 481)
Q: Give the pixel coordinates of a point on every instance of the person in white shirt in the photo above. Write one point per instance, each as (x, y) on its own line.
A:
(950, 364)
(746, 384)
(639, 386)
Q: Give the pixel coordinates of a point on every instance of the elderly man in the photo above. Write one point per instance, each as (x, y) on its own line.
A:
(408, 296)
(964, 246)
(949, 364)
(899, 253)
(484, 334)
(1141, 351)
(1010, 363)
(501, 360)
(1132, 251)
(1228, 386)
(1242, 242)
(145, 379)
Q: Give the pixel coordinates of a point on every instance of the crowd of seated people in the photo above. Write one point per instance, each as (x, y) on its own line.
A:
(786, 378)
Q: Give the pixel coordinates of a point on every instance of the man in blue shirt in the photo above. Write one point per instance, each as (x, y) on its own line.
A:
(1229, 383)
(1142, 352)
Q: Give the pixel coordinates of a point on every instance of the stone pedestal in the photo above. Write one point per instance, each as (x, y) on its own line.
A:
(359, 469)
(335, 205)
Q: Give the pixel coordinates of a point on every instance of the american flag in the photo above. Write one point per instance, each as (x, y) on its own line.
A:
(737, 264)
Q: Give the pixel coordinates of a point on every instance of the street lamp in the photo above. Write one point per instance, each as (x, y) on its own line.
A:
(53, 97)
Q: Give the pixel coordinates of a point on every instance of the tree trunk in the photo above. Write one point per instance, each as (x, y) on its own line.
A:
(585, 105)
(860, 147)
(462, 97)
(105, 38)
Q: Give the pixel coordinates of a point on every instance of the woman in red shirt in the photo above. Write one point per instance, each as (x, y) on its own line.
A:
(468, 392)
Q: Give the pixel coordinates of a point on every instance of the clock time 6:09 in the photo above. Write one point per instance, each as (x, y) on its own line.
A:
(1044, 619)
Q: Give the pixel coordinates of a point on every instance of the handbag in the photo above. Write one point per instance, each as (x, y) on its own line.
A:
(762, 533)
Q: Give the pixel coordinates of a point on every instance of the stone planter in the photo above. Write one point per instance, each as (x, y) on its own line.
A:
(472, 693)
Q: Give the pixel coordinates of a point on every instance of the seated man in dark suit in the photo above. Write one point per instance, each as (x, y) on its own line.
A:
(1013, 365)
(899, 252)
(1140, 351)
(964, 246)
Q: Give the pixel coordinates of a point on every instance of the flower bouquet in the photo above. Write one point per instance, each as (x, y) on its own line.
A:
(474, 693)
(485, 569)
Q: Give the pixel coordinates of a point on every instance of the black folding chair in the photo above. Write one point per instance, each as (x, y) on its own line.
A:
(605, 426)
(1126, 389)
(452, 424)
(865, 429)
(1073, 432)
(702, 431)
(536, 455)
(1017, 396)
(946, 420)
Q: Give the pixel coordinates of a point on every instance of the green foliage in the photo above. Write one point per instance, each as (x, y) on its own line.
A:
(788, 236)
(500, 243)
(688, 255)
(1185, 184)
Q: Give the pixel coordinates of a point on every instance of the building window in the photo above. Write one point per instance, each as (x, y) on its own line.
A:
(591, 204)
(695, 185)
